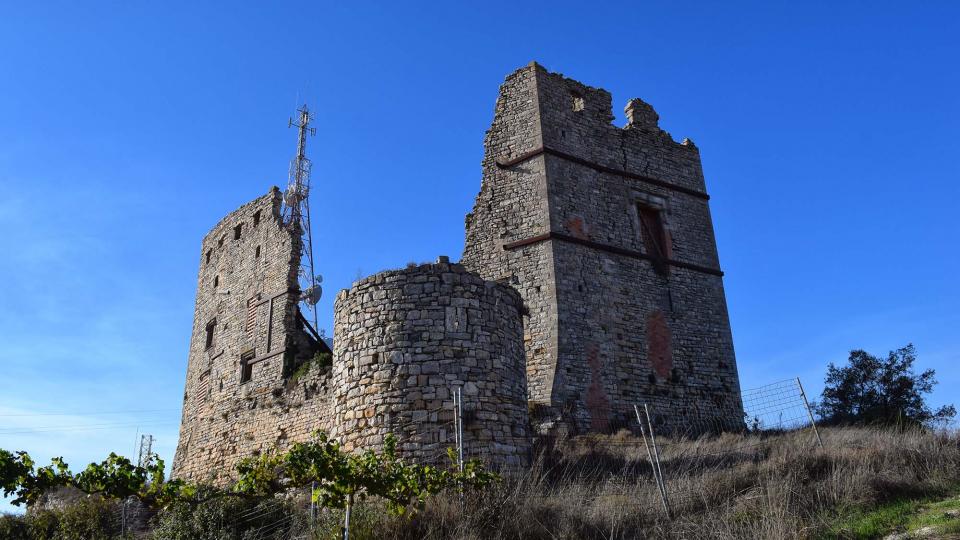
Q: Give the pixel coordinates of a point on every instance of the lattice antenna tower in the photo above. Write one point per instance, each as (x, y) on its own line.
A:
(146, 450)
(296, 211)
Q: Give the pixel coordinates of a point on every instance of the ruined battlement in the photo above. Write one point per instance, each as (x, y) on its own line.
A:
(606, 233)
(590, 282)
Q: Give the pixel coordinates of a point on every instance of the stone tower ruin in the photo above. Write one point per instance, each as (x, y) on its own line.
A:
(248, 335)
(589, 283)
(606, 233)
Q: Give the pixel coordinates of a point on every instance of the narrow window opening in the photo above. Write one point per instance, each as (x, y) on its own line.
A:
(654, 236)
(246, 366)
(220, 242)
(209, 252)
(257, 253)
(216, 281)
(256, 218)
(211, 328)
(237, 231)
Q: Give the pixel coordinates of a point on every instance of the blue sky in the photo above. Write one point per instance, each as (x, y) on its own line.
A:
(828, 131)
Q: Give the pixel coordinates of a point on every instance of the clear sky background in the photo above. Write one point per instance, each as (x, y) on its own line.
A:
(828, 131)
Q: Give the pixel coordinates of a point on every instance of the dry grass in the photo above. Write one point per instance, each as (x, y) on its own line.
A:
(731, 486)
(863, 484)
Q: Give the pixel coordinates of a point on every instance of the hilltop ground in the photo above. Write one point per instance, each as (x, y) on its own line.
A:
(864, 483)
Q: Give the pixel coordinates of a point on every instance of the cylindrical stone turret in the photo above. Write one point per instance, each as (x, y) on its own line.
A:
(405, 340)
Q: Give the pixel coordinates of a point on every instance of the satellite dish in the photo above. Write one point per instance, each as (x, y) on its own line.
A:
(295, 194)
(312, 295)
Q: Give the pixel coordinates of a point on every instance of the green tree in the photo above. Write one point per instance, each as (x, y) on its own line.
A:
(886, 391)
(115, 477)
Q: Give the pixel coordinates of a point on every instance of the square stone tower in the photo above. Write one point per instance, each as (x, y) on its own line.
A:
(248, 337)
(606, 233)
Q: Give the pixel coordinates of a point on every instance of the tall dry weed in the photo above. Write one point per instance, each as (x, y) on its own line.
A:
(721, 487)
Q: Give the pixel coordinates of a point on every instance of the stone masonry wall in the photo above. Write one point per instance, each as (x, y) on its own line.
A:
(511, 206)
(405, 339)
(619, 324)
(567, 300)
(246, 308)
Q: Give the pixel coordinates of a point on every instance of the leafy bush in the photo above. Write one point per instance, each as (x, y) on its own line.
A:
(14, 527)
(225, 518)
(115, 477)
(337, 478)
(89, 518)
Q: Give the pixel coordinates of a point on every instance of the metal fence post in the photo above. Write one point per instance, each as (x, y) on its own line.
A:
(456, 435)
(313, 506)
(806, 404)
(456, 420)
(656, 456)
(653, 465)
(346, 518)
(460, 427)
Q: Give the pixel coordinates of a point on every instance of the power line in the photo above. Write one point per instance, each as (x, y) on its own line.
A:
(93, 427)
(90, 413)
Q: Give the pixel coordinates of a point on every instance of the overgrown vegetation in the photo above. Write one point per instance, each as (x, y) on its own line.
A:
(335, 480)
(319, 360)
(114, 477)
(883, 468)
(86, 519)
(600, 487)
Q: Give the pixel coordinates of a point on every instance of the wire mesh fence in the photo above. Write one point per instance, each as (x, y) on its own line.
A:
(779, 406)
(661, 472)
(681, 454)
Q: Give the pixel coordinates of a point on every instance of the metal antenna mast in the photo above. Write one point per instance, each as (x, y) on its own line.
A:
(296, 211)
(146, 450)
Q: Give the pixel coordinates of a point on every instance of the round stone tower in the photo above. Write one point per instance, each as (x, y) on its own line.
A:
(407, 340)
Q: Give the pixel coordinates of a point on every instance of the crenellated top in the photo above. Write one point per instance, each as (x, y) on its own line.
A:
(542, 112)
